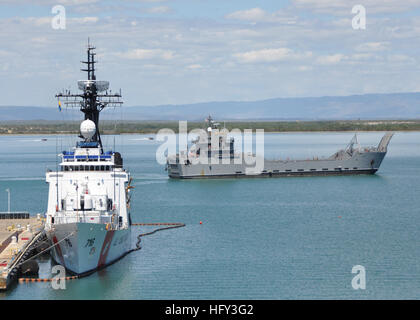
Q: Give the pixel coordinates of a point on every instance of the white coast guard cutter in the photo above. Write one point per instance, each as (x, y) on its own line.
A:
(88, 219)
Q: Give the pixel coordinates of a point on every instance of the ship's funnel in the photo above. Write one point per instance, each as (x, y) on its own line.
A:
(87, 129)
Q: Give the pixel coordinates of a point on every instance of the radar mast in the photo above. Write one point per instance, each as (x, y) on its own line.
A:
(94, 97)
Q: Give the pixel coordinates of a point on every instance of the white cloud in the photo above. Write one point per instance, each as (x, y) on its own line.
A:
(330, 59)
(195, 66)
(341, 7)
(304, 68)
(270, 55)
(50, 2)
(373, 46)
(147, 54)
(362, 56)
(168, 56)
(254, 14)
(46, 21)
(39, 40)
(36, 21)
(259, 15)
(401, 58)
(4, 53)
(158, 10)
(84, 20)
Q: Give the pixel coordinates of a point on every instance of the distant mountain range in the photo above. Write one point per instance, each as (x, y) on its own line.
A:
(367, 106)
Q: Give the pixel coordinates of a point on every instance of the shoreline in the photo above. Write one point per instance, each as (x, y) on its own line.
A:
(48, 128)
(154, 133)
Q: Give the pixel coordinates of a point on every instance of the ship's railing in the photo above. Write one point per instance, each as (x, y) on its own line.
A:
(73, 156)
(83, 218)
(87, 158)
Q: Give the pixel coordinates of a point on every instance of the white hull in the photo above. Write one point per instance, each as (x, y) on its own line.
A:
(87, 246)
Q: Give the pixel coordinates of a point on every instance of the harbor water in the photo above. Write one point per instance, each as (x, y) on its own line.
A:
(260, 238)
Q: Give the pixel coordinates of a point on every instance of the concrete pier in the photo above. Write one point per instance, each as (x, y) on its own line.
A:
(16, 238)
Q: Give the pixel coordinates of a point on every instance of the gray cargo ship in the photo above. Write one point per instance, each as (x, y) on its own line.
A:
(219, 160)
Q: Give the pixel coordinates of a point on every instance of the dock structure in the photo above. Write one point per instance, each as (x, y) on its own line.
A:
(18, 232)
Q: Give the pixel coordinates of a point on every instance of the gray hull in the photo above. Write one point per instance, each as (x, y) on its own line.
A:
(360, 163)
(213, 155)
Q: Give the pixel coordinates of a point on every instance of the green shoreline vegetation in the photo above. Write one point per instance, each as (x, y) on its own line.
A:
(152, 127)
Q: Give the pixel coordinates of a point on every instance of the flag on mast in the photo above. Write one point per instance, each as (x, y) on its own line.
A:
(59, 105)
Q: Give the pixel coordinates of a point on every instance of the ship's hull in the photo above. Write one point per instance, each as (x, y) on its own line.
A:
(282, 174)
(85, 247)
(363, 163)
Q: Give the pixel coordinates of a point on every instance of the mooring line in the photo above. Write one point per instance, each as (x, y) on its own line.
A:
(138, 247)
(38, 254)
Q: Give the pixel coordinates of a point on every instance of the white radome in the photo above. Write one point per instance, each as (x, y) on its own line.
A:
(88, 129)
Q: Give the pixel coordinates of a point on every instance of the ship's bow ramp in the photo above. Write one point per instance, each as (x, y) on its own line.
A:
(383, 145)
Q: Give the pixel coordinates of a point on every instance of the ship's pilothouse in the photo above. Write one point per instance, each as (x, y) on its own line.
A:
(222, 146)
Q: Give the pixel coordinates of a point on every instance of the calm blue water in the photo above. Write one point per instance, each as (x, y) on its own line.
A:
(285, 238)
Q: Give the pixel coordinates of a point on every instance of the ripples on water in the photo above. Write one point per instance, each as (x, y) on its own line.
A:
(286, 238)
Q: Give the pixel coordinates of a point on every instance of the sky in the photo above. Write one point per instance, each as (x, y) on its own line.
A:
(187, 51)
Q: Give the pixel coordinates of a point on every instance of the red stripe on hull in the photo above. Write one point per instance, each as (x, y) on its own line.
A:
(105, 248)
(58, 250)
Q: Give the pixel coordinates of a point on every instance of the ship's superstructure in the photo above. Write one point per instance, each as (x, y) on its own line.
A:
(88, 219)
(221, 160)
